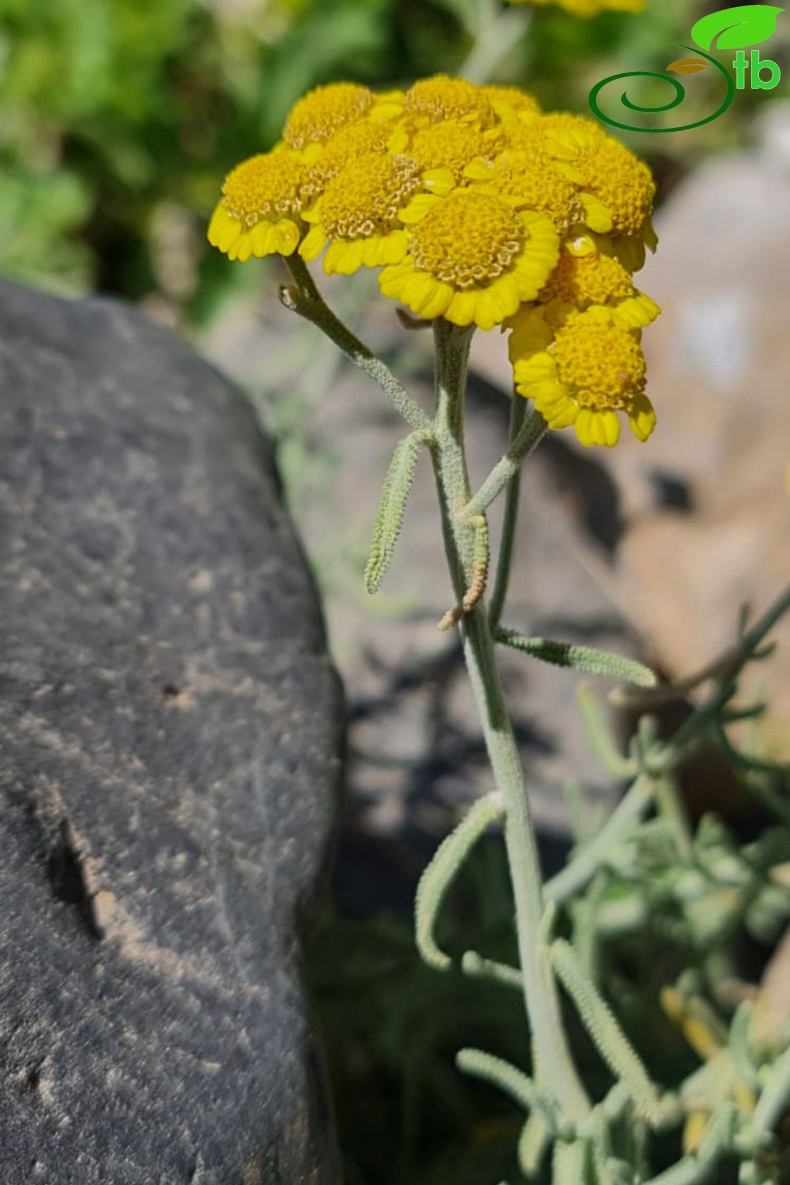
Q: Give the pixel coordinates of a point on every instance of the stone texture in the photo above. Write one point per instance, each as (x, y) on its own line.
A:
(169, 738)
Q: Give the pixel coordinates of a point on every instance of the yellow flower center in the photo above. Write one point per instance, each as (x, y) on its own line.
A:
(439, 98)
(349, 144)
(367, 195)
(588, 279)
(572, 132)
(450, 145)
(506, 100)
(324, 111)
(263, 186)
(467, 239)
(622, 183)
(604, 366)
(537, 186)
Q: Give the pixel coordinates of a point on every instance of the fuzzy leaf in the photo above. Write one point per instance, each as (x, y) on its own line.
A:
(392, 507)
(581, 658)
(747, 24)
(609, 1039)
(688, 65)
(441, 872)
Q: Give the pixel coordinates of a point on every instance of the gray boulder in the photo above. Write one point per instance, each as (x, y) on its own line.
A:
(170, 731)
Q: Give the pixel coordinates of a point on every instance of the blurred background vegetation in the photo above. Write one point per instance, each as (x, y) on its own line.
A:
(119, 118)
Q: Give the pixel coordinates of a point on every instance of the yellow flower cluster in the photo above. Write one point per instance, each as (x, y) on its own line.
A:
(590, 7)
(478, 209)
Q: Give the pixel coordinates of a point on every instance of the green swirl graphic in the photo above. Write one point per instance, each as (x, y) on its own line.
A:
(680, 95)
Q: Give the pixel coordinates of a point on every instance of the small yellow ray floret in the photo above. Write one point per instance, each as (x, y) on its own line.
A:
(323, 111)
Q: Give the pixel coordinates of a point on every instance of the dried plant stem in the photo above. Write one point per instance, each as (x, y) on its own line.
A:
(554, 1065)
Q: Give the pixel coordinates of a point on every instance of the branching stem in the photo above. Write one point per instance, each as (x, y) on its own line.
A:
(304, 298)
(554, 1065)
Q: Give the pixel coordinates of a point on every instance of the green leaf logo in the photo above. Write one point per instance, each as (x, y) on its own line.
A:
(748, 24)
(688, 66)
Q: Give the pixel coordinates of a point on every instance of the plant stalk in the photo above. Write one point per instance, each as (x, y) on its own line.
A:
(554, 1064)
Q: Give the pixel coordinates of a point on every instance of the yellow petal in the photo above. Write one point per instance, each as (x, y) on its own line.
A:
(584, 425)
(313, 243)
(344, 257)
(263, 238)
(417, 208)
(597, 216)
(642, 417)
(439, 181)
(286, 236)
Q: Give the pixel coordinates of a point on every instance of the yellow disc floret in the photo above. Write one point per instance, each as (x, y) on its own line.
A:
(472, 259)
(586, 280)
(467, 240)
(588, 372)
(323, 111)
(622, 184)
(432, 100)
(325, 161)
(452, 146)
(528, 182)
(511, 103)
(581, 281)
(368, 195)
(260, 209)
(603, 365)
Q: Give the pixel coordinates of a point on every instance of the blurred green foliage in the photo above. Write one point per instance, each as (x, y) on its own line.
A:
(119, 118)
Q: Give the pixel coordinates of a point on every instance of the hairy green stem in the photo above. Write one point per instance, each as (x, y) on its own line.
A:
(554, 1065)
(518, 408)
(529, 436)
(305, 299)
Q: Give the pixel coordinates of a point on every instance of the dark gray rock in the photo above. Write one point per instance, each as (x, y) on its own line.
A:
(169, 737)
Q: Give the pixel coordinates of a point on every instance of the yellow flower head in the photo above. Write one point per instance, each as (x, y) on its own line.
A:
(432, 100)
(583, 375)
(616, 189)
(358, 214)
(580, 281)
(590, 7)
(471, 258)
(323, 111)
(528, 182)
(511, 104)
(325, 161)
(259, 213)
(450, 146)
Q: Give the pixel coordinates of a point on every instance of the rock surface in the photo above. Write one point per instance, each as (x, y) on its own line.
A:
(169, 739)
